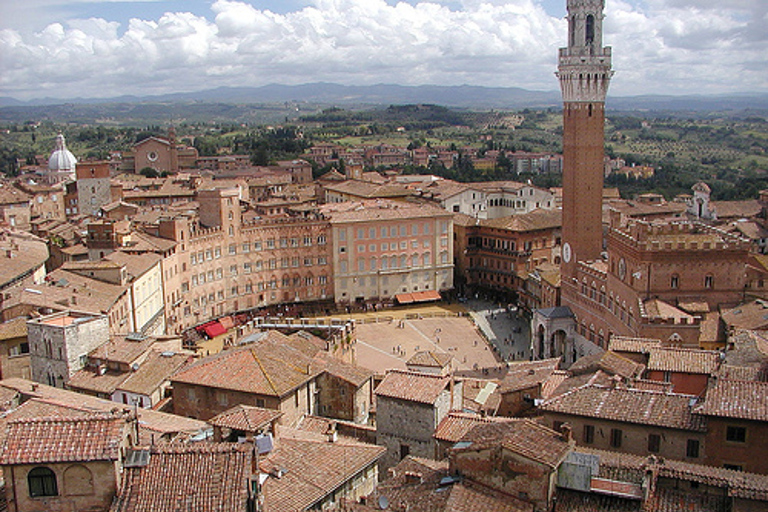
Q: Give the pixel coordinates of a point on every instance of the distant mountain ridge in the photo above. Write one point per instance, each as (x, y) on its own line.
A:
(249, 103)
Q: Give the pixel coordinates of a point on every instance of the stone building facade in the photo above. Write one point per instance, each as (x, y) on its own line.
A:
(631, 421)
(223, 264)
(383, 248)
(93, 187)
(81, 470)
(59, 344)
(409, 407)
(500, 253)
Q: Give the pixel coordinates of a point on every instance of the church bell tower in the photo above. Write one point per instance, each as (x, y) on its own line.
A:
(584, 71)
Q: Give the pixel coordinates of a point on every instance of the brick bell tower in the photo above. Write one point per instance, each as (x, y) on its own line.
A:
(584, 71)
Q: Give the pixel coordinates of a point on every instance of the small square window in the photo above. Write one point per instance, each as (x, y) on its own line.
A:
(736, 434)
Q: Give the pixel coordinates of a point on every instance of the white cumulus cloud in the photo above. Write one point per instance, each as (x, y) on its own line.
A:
(660, 46)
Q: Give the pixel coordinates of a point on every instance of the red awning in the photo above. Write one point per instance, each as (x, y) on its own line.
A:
(215, 329)
(404, 298)
(426, 296)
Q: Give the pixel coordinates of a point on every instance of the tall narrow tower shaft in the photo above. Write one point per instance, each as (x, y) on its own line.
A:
(584, 71)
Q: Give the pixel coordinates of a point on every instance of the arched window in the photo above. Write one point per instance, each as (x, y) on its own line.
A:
(42, 482)
(78, 481)
(674, 282)
(590, 32)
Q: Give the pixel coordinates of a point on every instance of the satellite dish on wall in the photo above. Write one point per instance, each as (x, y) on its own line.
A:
(383, 502)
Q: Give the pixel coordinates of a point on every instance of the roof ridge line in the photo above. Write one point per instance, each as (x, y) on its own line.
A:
(261, 367)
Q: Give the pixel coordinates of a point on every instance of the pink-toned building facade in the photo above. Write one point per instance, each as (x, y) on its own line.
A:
(385, 248)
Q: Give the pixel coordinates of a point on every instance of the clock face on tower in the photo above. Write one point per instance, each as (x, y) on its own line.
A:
(567, 252)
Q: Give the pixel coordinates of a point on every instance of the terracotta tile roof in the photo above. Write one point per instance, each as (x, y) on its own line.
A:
(659, 308)
(457, 424)
(15, 328)
(480, 395)
(727, 371)
(303, 341)
(381, 210)
(8, 398)
(430, 359)
(632, 468)
(28, 253)
(57, 439)
(262, 369)
(554, 381)
(311, 470)
(681, 360)
(675, 500)
(199, 476)
(91, 295)
(89, 380)
(739, 484)
(153, 372)
(364, 189)
(122, 350)
(150, 422)
(521, 436)
(425, 494)
(730, 209)
(736, 399)
(609, 362)
(752, 315)
(628, 406)
(631, 344)
(525, 222)
(443, 189)
(245, 418)
(136, 265)
(525, 375)
(353, 374)
(575, 501)
(11, 195)
(412, 386)
(462, 219)
(466, 497)
(575, 381)
(651, 385)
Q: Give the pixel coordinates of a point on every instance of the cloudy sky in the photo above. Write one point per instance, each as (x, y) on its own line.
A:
(100, 48)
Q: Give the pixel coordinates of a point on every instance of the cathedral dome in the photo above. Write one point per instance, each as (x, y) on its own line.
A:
(61, 159)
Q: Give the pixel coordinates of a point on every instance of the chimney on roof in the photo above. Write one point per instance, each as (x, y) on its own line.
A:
(74, 299)
(332, 434)
(566, 432)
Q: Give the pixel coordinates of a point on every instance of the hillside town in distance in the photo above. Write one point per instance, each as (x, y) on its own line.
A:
(230, 337)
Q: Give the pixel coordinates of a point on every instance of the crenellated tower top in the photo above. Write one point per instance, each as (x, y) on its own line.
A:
(584, 67)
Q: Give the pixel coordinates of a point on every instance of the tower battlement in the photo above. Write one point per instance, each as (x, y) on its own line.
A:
(678, 236)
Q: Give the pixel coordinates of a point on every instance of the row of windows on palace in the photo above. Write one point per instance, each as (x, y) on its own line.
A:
(254, 266)
(249, 288)
(508, 245)
(269, 244)
(390, 231)
(393, 262)
(394, 246)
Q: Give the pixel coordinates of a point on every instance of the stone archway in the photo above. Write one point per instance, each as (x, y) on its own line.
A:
(540, 336)
(559, 343)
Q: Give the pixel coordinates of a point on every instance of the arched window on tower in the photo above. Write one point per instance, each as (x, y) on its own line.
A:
(590, 32)
(572, 30)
